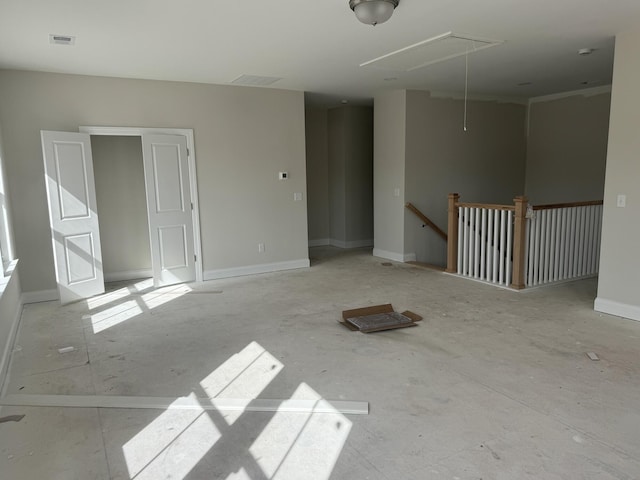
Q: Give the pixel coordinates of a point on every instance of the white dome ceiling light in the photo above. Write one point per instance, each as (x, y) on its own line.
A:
(373, 12)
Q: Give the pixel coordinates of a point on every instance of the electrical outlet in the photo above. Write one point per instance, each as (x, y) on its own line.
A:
(297, 197)
(396, 192)
(622, 201)
(261, 248)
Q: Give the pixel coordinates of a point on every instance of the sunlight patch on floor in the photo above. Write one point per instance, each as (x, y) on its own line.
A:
(302, 444)
(115, 315)
(244, 375)
(239, 475)
(295, 445)
(129, 302)
(174, 442)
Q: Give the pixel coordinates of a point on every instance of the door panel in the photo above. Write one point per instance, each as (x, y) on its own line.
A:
(167, 179)
(166, 172)
(72, 214)
(79, 254)
(173, 247)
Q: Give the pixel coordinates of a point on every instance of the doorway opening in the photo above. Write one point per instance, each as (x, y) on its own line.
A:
(156, 218)
(122, 209)
(139, 133)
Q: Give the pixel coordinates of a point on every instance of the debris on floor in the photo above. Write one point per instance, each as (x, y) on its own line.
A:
(593, 356)
(66, 349)
(11, 418)
(378, 318)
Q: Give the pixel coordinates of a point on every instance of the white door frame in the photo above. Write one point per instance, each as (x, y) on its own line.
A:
(186, 132)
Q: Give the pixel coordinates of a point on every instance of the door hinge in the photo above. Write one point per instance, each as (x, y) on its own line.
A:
(195, 258)
(191, 205)
(188, 153)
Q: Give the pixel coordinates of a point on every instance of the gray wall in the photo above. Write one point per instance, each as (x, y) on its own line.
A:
(243, 138)
(350, 137)
(6, 234)
(359, 176)
(122, 205)
(619, 280)
(389, 133)
(317, 174)
(336, 137)
(567, 148)
(10, 309)
(10, 292)
(484, 164)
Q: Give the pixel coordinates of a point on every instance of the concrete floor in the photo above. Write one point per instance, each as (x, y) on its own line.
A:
(493, 384)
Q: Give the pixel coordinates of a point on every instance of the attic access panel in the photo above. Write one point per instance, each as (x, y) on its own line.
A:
(433, 50)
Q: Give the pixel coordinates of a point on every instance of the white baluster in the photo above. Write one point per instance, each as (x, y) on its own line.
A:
(465, 255)
(507, 257)
(496, 244)
(552, 246)
(460, 238)
(483, 243)
(477, 238)
(536, 250)
(571, 242)
(502, 245)
(490, 241)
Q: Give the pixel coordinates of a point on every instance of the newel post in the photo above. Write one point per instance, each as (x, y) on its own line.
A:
(452, 234)
(519, 232)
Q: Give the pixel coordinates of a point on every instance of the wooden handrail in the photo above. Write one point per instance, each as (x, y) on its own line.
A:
(485, 205)
(426, 220)
(567, 205)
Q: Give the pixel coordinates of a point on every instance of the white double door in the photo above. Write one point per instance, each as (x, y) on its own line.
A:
(73, 214)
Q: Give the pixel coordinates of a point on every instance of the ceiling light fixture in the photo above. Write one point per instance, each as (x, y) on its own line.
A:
(373, 12)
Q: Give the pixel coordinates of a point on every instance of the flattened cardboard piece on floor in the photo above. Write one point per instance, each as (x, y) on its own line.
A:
(378, 318)
(385, 321)
(361, 312)
(413, 316)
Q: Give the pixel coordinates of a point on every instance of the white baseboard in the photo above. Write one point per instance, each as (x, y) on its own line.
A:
(40, 296)
(410, 257)
(11, 308)
(352, 244)
(255, 269)
(5, 359)
(128, 275)
(616, 308)
(396, 257)
(319, 242)
(360, 243)
(11, 295)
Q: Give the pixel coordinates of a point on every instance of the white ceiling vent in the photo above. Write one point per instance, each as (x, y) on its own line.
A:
(433, 50)
(62, 39)
(255, 80)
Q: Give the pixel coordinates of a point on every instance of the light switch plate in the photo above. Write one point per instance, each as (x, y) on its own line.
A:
(622, 201)
(297, 197)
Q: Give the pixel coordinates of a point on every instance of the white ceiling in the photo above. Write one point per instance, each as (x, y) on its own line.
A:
(318, 45)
